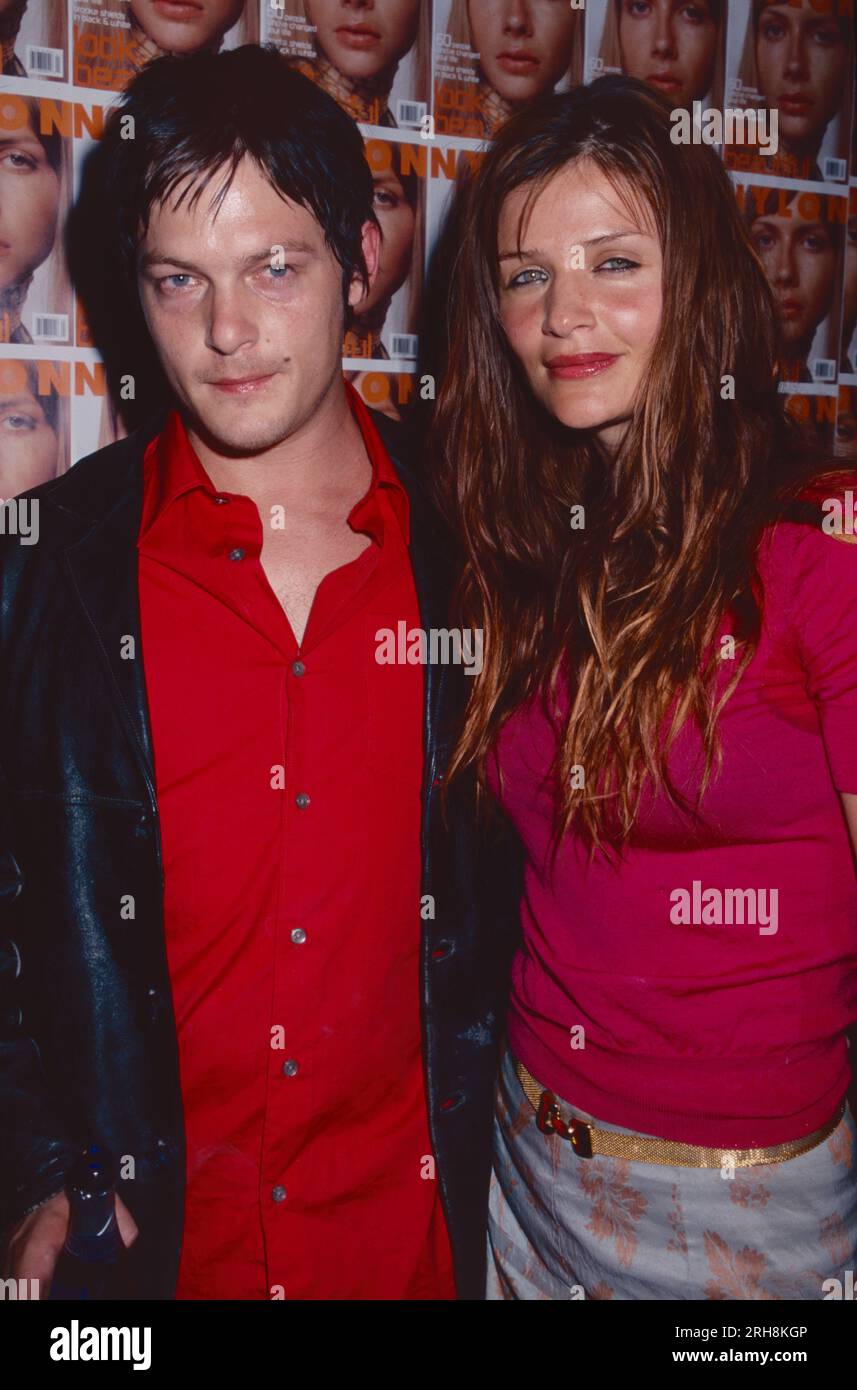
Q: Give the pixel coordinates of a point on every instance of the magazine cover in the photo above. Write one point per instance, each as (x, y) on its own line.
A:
(677, 49)
(374, 61)
(113, 39)
(848, 350)
(846, 422)
(34, 39)
(35, 193)
(800, 237)
(490, 59)
(386, 320)
(35, 396)
(791, 68)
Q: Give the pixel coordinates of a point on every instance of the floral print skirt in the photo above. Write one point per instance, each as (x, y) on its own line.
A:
(560, 1226)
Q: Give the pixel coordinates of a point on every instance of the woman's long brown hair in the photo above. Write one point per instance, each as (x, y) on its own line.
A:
(627, 609)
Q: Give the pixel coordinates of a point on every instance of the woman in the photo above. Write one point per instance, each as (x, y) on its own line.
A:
(801, 251)
(667, 712)
(674, 46)
(799, 58)
(358, 52)
(33, 180)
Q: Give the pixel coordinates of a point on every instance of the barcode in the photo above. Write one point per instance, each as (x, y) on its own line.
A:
(403, 344)
(50, 326)
(43, 60)
(834, 168)
(410, 112)
(823, 369)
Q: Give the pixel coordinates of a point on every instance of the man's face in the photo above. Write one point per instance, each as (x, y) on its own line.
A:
(183, 26)
(249, 337)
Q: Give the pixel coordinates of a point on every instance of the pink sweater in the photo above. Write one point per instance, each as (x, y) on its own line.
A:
(661, 995)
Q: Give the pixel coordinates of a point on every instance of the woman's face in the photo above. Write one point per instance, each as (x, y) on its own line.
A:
(800, 262)
(183, 26)
(397, 220)
(29, 205)
(581, 307)
(364, 39)
(524, 46)
(669, 44)
(802, 62)
(28, 444)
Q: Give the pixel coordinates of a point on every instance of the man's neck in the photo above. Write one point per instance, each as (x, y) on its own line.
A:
(323, 460)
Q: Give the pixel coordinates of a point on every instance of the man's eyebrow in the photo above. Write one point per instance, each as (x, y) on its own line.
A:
(593, 241)
(150, 258)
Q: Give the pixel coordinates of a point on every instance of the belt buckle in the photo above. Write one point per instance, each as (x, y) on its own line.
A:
(549, 1121)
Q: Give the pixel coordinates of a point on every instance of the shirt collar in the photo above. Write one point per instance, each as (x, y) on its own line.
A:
(174, 470)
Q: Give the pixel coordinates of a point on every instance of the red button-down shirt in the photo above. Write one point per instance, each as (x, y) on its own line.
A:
(288, 783)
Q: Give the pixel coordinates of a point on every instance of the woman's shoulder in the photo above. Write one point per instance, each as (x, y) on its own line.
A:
(807, 557)
(822, 511)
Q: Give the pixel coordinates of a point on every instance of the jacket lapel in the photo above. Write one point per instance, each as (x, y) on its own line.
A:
(102, 564)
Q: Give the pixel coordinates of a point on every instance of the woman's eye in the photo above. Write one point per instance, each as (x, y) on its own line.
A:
(20, 161)
(619, 263)
(520, 278)
(17, 423)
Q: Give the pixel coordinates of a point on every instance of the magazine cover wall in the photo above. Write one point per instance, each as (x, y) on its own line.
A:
(429, 82)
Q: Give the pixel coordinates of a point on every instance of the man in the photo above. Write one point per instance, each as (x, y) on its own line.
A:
(248, 953)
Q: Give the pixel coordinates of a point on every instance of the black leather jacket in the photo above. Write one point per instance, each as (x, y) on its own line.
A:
(88, 1047)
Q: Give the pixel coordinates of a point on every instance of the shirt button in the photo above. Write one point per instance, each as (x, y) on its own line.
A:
(236, 554)
(278, 1194)
(290, 1067)
(298, 668)
(298, 936)
(302, 800)
(221, 501)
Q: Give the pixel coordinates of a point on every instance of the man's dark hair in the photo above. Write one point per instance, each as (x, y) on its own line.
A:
(193, 115)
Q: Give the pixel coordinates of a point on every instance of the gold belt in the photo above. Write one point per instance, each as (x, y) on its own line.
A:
(588, 1140)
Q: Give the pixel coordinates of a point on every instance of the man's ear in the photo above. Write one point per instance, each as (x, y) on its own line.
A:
(371, 246)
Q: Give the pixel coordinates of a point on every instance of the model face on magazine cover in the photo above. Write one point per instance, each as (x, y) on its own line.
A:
(28, 443)
(802, 62)
(29, 205)
(524, 46)
(800, 262)
(183, 26)
(397, 220)
(363, 40)
(250, 340)
(582, 335)
(670, 45)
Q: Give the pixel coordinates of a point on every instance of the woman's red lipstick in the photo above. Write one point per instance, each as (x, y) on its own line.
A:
(582, 364)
